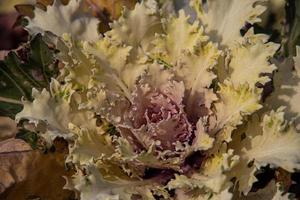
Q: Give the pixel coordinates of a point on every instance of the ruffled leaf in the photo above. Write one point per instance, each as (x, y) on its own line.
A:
(211, 180)
(249, 62)
(278, 144)
(224, 20)
(60, 19)
(287, 88)
(271, 141)
(271, 191)
(137, 27)
(55, 112)
(94, 186)
(234, 104)
(90, 145)
(180, 37)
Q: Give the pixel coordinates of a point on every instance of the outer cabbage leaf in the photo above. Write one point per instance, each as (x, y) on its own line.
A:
(116, 59)
(287, 88)
(103, 71)
(94, 186)
(235, 103)
(270, 192)
(97, 71)
(211, 180)
(202, 140)
(90, 145)
(243, 172)
(42, 108)
(60, 19)
(271, 141)
(57, 111)
(117, 152)
(189, 188)
(278, 145)
(79, 65)
(195, 69)
(224, 19)
(137, 27)
(250, 62)
(214, 172)
(197, 195)
(245, 176)
(126, 154)
(180, 37)
(92, 71)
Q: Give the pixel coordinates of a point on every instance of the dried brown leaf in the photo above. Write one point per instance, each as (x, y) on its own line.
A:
(26, 10)
(15, 158)
(111, 7)
(8, 127)
(25, 173)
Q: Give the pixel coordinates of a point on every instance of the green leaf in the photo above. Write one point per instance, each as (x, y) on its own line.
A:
(31, 67)
(10, 90)
(9, 109)
(41, 56)
(17, 70)
(29, 137)
(11, 81)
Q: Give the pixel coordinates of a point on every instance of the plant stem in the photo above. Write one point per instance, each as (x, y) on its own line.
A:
(9, 100)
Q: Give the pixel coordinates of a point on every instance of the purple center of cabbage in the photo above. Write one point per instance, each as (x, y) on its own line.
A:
(162, 120)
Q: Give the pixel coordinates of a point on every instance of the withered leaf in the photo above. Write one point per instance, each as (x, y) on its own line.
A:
(16, 159)
(8, 128)
(27, 173)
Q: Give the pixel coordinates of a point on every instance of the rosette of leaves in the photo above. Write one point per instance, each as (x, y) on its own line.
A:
(163, 106)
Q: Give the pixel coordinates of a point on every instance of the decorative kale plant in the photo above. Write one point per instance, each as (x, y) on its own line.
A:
(166, 105)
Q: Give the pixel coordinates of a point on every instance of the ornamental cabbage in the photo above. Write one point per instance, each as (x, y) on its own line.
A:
(166, 104)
